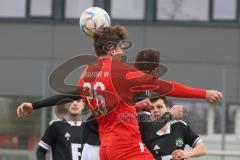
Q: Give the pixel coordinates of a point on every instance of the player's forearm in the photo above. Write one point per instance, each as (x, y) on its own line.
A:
(183, 91)
(198, 150)
(56, 99)
(156, 124)
(176, 89)
(162, 121)
(40, 154)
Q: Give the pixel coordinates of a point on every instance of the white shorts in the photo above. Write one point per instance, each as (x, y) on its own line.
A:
(90, 152)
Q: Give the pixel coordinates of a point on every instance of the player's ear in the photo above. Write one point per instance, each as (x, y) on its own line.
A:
(67, 105)
(111, 52)
(155, 71)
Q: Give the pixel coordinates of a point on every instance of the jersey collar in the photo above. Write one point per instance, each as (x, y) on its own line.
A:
(73, 123)
(161, 133)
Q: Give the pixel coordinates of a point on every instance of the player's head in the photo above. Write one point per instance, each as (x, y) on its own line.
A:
(75, 108)
(147, 60)
(160, 106)
(108, 40)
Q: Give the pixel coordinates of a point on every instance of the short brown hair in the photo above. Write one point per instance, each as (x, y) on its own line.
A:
(147, 60)
(108, 38)
(162, 97)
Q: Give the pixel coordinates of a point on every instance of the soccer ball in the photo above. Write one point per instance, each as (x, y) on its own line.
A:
(93, 19)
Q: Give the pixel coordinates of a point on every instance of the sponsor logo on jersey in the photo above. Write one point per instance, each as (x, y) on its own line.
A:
(156, 148)
(67, 136)
(179, 142)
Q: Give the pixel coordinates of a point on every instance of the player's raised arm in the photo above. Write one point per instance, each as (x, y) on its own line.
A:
(183, 91)
(148, 61)
(24, 109)
(174, 89)
(137, 80)
(27, 108)
(175, 113)
(143, 102)
(213, 96)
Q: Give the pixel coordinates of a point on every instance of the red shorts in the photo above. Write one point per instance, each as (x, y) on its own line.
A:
(125, 152)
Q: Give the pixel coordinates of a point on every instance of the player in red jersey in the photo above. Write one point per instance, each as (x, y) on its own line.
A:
(118, 129)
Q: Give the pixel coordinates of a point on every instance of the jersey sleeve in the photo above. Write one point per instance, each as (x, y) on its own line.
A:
(49, 137)
(191, 138)
(169, 88)
(138, 80)
(183, 91)
(40, 153)
(56, 100)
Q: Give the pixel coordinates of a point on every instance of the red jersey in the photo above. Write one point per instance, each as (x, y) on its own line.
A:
(120, 126)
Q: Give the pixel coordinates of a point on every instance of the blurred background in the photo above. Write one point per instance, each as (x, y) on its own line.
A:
(199, 41)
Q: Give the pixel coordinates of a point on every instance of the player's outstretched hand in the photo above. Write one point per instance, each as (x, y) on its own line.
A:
(214, 96)
(180, 154)
(176, 111)
(24, 109)
(144, 104)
